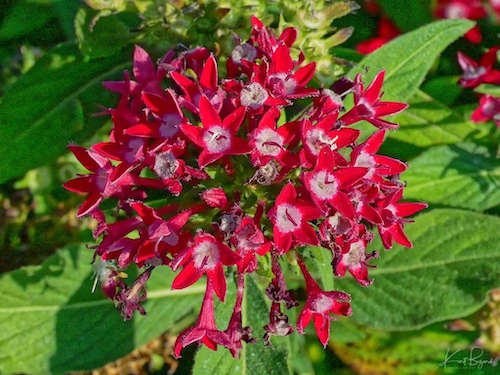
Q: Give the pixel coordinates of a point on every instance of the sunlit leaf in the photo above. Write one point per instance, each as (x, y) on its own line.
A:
(408, 58)
(50, 322)
(447, 275)
(462, 175)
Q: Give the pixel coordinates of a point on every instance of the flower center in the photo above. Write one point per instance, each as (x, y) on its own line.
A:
(473, 73)
(134, 145)
(324, 185)
(281, 84)
(229, 223)
(165, 165)
(206, 255)
(322, 305)
(170, 125)
(334, 97)
(455, 11)
(269, 142)
(356, 254)
(253, 95)
(316, 139)
(364, 109)
(366, 160)
(217, 139)
(288, 218)
(162, 231)
(266, 174)
(244, 52)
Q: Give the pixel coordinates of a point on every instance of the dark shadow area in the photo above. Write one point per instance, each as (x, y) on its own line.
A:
(404, 151)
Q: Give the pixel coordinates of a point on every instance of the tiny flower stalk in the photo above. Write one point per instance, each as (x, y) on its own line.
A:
(235, 330)
(214, 175)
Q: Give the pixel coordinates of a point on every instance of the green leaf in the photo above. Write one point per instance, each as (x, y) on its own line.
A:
(398, 12)
(344, 330)
(421, 352)
(20, 21)
(488, 89)
(453, 264)
(463, 175)
(426, 123)
(66, 13)
(51, 105)
(50, 322)
(323, 264)
(408, 58)
(254, 358)
(100, 37)
(444, 89)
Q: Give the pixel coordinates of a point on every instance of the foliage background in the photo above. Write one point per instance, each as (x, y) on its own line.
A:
(425, 301)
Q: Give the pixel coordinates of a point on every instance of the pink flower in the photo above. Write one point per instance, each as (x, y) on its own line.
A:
(324, 134)
(250, 242)
(283, 82)
(379, 166)
(167, 114)
(269, 142)
(147, 77)
(161, 237)
(207, 86)
(352, 256)
(470, 9)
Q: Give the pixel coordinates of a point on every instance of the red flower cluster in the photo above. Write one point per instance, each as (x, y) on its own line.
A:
(476, 10)
(212, 173)
(482, 72)
(471, 9)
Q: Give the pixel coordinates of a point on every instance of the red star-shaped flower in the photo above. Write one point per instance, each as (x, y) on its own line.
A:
(290, 218)
(206, 256)
(327, 186)
(368, 107)
(105, 181)
(393, 214)
(217, 137)
(476, 73)
(489, 109)
(319, 306)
